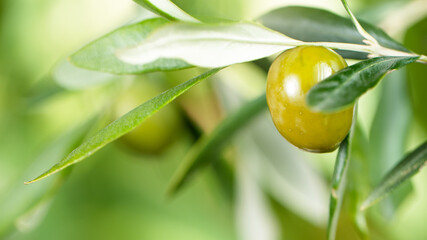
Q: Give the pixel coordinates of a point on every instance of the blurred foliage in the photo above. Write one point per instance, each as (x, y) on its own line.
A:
(415, 39)
(120, 194)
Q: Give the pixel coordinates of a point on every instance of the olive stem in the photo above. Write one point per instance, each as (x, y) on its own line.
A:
(373, 50)
(369, 39)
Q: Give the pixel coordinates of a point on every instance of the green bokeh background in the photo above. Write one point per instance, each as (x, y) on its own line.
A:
(119, 193)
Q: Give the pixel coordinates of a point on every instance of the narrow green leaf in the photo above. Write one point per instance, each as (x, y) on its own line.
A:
(100, 54)
(317, 25)
(339, 180)
(208, 45)
(338, 187)
(208, 149)
(344, 87)
(386, 146)
(406, 168)
(123, 125)
(166, 9)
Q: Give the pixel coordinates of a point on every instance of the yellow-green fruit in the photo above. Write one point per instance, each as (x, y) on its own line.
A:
(290, 77)
(157, 131)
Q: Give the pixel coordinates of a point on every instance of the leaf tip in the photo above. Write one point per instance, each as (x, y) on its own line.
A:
(35, 179)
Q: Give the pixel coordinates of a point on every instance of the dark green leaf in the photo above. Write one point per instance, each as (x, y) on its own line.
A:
(166, 9)
(387, 146)
(124, 125)
(344, 87)
(406, 168)
(316, 25)
(208, 149)
(100, 54)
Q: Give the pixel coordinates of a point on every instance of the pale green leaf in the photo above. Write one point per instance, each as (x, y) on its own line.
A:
(208, 45)
(99, 55)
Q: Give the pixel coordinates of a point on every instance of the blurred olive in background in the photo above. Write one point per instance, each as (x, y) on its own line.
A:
(415, 40)
(156, 132)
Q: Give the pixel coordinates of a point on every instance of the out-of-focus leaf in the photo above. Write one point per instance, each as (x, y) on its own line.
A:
(166, 9)
(388, 135)
(317, 25)
(358, 183)
(208, 149)
(415, 39)
(100, 54)
(123, 125)
(344, 87)
(31, 218)
(24, 207)
(208, 45)
(73, 78)
(406, 168)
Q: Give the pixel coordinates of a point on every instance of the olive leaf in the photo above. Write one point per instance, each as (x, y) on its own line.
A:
(343, 88)
(208, 149)
(208, 45)
(100, 54)
(166, 9)
(123, 125)
(338, 187)
(317, 25)
(71, 77)
(406, 168)
(385, 146)
(339, 180)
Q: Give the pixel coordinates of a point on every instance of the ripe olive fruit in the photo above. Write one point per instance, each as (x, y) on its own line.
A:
(157, 132)
(290, 77)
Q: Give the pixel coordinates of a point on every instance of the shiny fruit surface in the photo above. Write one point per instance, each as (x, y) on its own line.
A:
(290, 77)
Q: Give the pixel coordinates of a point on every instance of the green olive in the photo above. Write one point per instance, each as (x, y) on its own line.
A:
(290, 77)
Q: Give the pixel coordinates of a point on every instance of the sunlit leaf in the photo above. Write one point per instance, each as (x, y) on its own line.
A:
(317, 25)
(209, 148)
(123, 125)
(406, 168)
(208, 45)
(100, 54)
(166, 9)
(344, 87)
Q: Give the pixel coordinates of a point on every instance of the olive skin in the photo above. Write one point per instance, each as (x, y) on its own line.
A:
(290, 77)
